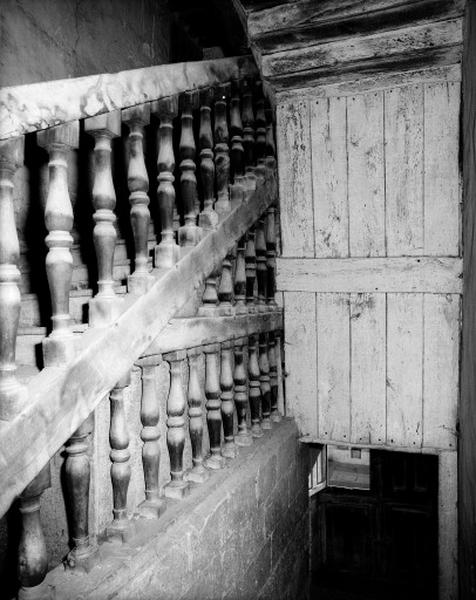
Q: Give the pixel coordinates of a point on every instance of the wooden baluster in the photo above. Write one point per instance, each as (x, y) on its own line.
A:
(265, 381)
(273, 377)
(212, 392)
(153, 506)
(248, 119)
(225, 289)
(227, 408)
(222, 152)
(197, 473)
(243, 438)
(120, 461)
(13, 396)
(32, 555)
(78, 478)
(270, 256)
(261, 263)
(190, 234)
(254, 388)
(250, 265)
(167, 253)
(176, 403)
(260, 129)
(270, 141)
(240, 278)
(105, 306)
(208, 219)
(237, 150)
(136, 118)
(58, 141)
(280, 370)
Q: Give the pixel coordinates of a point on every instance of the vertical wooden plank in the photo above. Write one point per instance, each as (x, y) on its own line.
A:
(367, 333)
(333, 366)
(300, 359)
(440, 368)
(295, 188)
(404, 170)
(329, 174)
(404, 369)
(441, 173)
(366, 175)
(448, 526)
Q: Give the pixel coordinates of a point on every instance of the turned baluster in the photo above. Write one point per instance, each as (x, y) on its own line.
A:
(32, 555)
(136, 118)
(264, 381)
(240, 278)
(213, 405)
(153, 506)
(120, 461)
(190, 234)
(58, 141)
(197, 473)
(222, 152)
(248, 119)
(261, 263)
(243, 437)
(250, 270)
(270, 256)
(78, 478)
(273, 377)
(260, 129)
(208, 219)
(270, 141)
(254, 388)
(167, 252)
(225, 289)
(105, 306)
(227, 408)
(176, 404)
(237, 189)
(13, 396)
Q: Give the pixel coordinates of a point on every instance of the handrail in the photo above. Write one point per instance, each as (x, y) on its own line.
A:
(60, 399)
(37, 106)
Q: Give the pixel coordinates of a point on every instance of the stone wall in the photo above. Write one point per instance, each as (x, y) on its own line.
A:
(58, 39)
(241, 535)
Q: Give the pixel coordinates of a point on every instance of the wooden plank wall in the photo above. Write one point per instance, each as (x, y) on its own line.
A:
(371, 268)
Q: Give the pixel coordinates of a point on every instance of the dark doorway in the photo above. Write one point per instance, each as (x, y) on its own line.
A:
(380, 542)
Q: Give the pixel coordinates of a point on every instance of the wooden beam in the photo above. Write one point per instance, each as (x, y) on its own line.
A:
(60, 399)
(438, 275)
(36, 106)
(448, 526)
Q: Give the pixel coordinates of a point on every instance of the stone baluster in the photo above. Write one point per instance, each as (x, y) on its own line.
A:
(153, 506)
(260, 129)
(225, 289)
(197, 473)
(254, 388)
(273, 377)
(250, 269)
(105, 306)
(13, 397)
(178, 487)
(227, 408)
(136, 118)
(58, 141)
(189, 234)
(270, 141)
(265, 381)
(270, 256)
(167, 252)
(77, 479)
(32, 554)
(120, 461)
(212, 392)
(240, 278)
(261, 263)
(243, 437)
(248, 119)
(222, 152)
(208, 219)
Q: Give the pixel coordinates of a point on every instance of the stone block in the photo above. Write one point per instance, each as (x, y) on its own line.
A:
(266, 479)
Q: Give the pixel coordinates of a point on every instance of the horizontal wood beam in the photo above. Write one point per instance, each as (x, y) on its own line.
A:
(428, 274)
(199, 331)
(309, 439)
(60, 399)
(36, 106)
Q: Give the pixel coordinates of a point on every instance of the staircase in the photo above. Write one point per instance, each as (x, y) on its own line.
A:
(106, 294)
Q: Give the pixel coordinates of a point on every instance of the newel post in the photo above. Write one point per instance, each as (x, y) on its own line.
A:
(212, 392)
(243, 438)
(136, 118)
(12, 393)
(197, 473)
